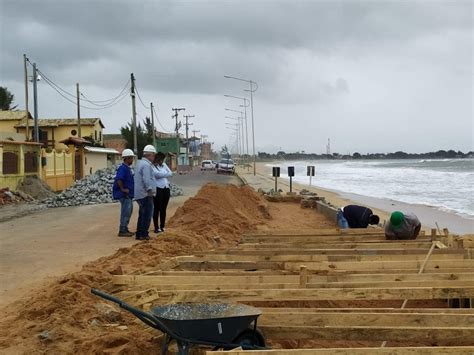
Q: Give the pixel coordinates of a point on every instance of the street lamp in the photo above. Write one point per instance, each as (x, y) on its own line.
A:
(245, 105)
(228, 126)
(238, 119)
(242, 129)
(252, 90)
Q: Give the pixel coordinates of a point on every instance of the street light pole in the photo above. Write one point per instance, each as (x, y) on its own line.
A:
(252, 90)
(245, 105)
(241, 131)
(239, 119)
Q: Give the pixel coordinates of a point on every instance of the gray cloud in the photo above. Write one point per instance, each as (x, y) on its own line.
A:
(340, 59)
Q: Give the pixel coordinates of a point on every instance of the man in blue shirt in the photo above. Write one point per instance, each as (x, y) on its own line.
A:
(145, 189)
(123, 191)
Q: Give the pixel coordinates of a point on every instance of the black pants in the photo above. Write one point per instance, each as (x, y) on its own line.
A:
(160, 203)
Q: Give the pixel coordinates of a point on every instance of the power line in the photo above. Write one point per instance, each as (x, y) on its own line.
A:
(108, 101)
(157, 120)
(139, 98)
(58, 90)
(112, 102)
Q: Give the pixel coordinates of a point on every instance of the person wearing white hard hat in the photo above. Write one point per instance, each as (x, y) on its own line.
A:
(145, 189)
(123, 190)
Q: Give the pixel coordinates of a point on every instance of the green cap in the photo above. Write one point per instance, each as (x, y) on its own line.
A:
(396, 218)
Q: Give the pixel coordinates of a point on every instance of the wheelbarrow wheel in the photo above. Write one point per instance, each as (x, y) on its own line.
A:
(250, 337)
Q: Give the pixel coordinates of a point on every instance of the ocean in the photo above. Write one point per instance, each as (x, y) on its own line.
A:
(445, 184)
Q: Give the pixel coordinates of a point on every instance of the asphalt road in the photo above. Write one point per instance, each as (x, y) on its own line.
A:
(53, 242)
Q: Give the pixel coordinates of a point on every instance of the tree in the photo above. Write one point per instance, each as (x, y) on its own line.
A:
(144, 135)
(6, 99)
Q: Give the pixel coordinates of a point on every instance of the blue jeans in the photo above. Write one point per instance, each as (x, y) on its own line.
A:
(341, 220)
(126, 209)
(145, 213)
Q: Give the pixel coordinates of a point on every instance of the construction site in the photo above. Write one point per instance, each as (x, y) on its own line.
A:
(310, 287)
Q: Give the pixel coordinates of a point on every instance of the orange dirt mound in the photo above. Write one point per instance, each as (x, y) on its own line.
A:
(216, 209)
(63, 316)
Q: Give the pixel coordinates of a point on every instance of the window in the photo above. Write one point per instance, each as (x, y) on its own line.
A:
(10, 163)
(100, 136)
(31, 162)
(95, 135)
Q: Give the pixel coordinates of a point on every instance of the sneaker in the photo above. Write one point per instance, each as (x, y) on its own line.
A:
(125, 234)
(162, 229)
(158, 230)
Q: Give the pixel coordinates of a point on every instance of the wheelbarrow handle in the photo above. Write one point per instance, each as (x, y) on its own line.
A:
(145, 317)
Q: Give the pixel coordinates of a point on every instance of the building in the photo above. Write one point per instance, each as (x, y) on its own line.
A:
(8, 120)
(115, 141)
(53, 130)
(18, 159)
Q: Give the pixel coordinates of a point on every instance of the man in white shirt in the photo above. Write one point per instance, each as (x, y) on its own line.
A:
(144, 191)
(162, 196)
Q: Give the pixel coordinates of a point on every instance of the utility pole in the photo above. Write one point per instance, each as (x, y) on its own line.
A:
(78, 111)
(35, 102)
(176, 110)
(27, 127)
(134, 114)
(253, 128)
(187, 137)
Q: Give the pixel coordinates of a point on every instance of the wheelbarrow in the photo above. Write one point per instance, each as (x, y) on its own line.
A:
(217, 325)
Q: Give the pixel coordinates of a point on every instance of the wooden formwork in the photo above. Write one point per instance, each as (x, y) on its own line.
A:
(290, 274)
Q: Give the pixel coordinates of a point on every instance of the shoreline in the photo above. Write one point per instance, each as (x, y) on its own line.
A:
(428, 215)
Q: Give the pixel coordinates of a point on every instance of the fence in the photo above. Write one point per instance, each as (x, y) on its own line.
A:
(58, 169)
(18, 160)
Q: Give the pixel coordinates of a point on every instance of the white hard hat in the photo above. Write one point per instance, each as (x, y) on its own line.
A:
(127, 153)
(149, 149)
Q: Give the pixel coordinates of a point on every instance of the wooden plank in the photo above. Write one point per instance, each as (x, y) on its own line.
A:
(332, 319)
(375, 266)
(391, 277)
(259, 286)
(469, 311)
(316, 257)
(461, 350)
(456, 335)
(316, 238)
(341, 245)
(380, 266)
(334, 251)
(308, 294)
(193, 277)
(322, 231)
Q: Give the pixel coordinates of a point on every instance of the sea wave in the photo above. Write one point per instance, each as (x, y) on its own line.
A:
(438, 182)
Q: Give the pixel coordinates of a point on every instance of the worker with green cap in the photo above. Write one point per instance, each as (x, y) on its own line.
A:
(402, 226)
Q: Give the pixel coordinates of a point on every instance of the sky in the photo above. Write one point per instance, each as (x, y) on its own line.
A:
(372, 76)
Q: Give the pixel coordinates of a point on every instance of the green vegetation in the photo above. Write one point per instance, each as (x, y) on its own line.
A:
(440, 154)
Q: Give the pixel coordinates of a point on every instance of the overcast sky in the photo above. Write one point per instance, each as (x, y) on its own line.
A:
(373, 76)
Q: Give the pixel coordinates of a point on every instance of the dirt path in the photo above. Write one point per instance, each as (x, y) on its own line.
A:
(53, 242)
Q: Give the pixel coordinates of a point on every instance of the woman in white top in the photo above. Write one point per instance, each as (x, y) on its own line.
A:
(162, 196)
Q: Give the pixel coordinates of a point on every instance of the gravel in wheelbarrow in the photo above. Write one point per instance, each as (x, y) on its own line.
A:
(214, 322)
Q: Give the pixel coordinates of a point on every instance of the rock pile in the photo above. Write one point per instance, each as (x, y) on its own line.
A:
(93, 189)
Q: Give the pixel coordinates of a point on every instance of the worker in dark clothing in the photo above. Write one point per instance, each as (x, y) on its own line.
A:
(353, 216)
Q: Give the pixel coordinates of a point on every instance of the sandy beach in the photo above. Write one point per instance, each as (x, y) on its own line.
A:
(428, 216)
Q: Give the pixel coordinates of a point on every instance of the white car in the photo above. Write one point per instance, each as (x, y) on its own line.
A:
(208, 165)
(226, 166)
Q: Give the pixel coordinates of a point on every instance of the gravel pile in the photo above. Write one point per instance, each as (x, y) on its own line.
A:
(91, 190)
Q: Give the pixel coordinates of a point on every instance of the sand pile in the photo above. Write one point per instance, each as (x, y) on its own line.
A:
(230, 210)
(63, 317)
(35, 187)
